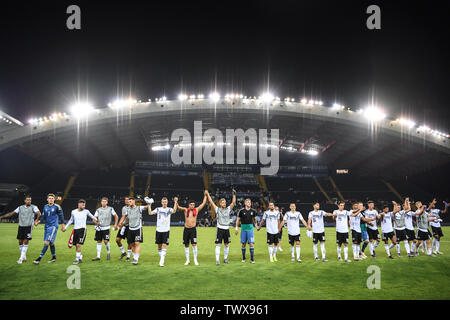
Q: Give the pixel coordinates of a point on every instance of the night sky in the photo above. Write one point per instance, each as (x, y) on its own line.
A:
(147, 49)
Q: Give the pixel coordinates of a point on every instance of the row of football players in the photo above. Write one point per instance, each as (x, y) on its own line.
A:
(130, 227)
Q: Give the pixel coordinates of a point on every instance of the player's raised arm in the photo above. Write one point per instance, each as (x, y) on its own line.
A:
(446, 207)
(211, 202)
(175, 205)
(9, 214)
(396, 208)
(200, 207)
(233, 202)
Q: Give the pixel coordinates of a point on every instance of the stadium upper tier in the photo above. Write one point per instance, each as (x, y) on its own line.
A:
(364, 142)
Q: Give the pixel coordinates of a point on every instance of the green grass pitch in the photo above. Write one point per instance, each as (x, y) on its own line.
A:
(406, 278)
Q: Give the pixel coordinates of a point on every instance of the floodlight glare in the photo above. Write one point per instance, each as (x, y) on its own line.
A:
(374, 114)
(81, 109)
(267, 97)
(214, 96)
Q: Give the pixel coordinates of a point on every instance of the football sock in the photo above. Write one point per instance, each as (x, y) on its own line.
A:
(408, 250)
(217, 252)
(225, 252)
(23, 253)
(315, 250)
(386, 247)
(44, 250)
(163, 254)
(252, 252)
(128, 253)
(437, 245)
(243, 252)
(292, 251)
(194, 251)
(398, 248)
(364, 246)
(322, 249)
(345, 252)
(413, 247)
(53, 250)
(108, 248)
(99, 249)
(270, 251)
(122, 249)
(371, 248)
(186, 253)
(275, 249)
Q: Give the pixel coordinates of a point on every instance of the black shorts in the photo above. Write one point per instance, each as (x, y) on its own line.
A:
(280, 235)
(272, 238)
(79, 235)
(421, 235)
(437, 231)
(410, 235)
(190, 235)
(102, 235)
(223, 235)
(341, 237)
(373, 234)
(400, 235)
(135, 236)
(24, 233)
(293, 239)
(124, 235)
(318, 237)
(388, 235)
(356, 236)
(162, 237)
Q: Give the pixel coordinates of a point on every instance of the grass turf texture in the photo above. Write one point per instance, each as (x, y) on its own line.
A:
(420, 277)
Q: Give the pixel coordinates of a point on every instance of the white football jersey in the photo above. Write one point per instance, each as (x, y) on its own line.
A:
(342, 220)
(163, 219)
(371, 214)
(317, 220)
(386, 223)
(271, 217)
(436, 212)
(355, 222)
(293, 222)
(409, 220)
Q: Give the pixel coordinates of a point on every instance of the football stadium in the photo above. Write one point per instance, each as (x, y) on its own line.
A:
(235, 155)
(125, 150)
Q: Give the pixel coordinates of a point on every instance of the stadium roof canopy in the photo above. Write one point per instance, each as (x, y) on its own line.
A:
(309, 133)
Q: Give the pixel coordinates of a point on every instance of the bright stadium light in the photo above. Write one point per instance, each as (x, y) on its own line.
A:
(336, 106)
(182, 97)
(406, 122)
(374, 114)
(120, 103)
(81, 109)
(304, 101)
(267, 97)
(214, 96)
